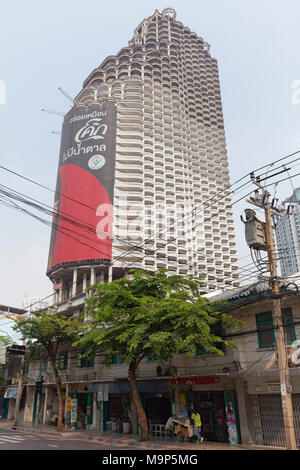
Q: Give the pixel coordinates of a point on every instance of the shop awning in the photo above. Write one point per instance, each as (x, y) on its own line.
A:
(144, 386)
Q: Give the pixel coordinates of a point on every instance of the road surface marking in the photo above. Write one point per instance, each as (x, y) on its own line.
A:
(10, 439)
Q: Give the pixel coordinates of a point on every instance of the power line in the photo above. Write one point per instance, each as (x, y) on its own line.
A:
(144, 242)
(172, 239)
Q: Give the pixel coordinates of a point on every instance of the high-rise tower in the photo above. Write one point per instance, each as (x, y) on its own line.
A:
(288, 236)
(160, 124)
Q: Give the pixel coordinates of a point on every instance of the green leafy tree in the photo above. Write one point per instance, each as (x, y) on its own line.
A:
(47, 331)
(4, 339)
(150, 314)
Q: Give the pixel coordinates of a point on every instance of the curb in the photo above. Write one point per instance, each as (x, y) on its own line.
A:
(40, 431)
(90, 437)
(86, 437)
(122, 441)
(111, 441)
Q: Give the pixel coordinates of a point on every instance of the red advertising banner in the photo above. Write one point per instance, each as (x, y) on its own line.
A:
(195, 380)
(83, 205)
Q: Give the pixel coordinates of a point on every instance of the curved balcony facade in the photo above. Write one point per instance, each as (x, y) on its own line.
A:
(170, 140)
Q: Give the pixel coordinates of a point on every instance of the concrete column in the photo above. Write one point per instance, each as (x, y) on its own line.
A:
(101, 416)
(127, 275)
(84, 282)
(29, 404)
(74, 284)
(45, 417)
(97, 414)
(110, 273)
(66, 402)
(241, 393)
(95, 411)
(102, 277)
(177, 404)
(60, 295)
(93, 279)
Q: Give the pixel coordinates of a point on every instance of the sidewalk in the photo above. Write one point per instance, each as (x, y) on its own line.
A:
(130, 440)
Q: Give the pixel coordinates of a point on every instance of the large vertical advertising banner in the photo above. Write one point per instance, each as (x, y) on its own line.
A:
(83, 206)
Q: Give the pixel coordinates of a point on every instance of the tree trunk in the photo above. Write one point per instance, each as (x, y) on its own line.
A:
(138, 403)
(60, 425)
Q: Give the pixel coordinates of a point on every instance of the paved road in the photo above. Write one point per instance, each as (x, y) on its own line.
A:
(18, 440)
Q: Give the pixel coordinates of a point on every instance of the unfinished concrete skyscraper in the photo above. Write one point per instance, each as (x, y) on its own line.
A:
(170, 196)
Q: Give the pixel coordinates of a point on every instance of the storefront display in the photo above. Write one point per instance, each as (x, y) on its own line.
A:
(211, 407)
(157, 407)
(231, 418)
(80, 409)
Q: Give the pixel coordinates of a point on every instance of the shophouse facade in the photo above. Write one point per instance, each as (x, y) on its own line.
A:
(260, 400)
(100, 394)
(9, 368)
(237, 394)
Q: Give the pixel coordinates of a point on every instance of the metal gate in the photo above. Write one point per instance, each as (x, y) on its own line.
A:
(268, 419)
(296, 415)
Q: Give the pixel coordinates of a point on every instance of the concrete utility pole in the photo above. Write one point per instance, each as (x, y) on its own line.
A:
(285, 387)
(20, 388)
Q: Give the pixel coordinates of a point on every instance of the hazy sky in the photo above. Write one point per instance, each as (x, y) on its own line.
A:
(44, 45)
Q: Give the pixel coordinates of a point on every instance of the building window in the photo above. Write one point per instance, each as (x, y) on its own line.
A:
(117, 359)
(289, 329)
(62, 360)
(43, 364)
(265, 327)
(83, 362)
(152, 358)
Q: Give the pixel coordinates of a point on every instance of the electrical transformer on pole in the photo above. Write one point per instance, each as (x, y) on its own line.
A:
(259, 236)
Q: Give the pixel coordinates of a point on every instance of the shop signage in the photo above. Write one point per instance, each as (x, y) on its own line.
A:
(232, 431)
(73, 410)
(273, 387)
(11, 392)
(195, 380)
(231, 417)
(69, 404)
(102, 392)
